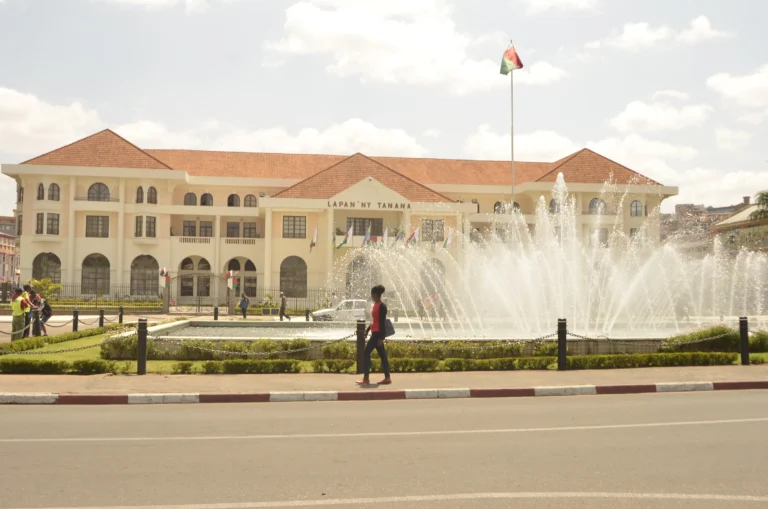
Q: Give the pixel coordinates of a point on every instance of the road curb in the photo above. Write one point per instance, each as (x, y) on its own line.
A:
(371, 395)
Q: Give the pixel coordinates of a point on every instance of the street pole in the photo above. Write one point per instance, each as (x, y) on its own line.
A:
(512, 134)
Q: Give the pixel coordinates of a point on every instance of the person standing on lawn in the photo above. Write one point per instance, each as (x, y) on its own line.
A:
(244, 303)
(283, 305)
(19, 305)
(378, 319)
(28, 314)
(46, 312)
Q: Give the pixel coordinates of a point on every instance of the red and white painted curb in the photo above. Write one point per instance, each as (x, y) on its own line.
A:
(369, 395)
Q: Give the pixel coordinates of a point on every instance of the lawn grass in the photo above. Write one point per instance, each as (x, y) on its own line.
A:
(87, 354)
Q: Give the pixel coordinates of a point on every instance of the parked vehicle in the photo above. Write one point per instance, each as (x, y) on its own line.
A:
(347, 311)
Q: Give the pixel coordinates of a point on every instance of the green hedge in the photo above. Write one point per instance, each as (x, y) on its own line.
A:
(730, 342)
(240, 366)
(126, 349)
(31, 343)
(80, 367)
(653, 360)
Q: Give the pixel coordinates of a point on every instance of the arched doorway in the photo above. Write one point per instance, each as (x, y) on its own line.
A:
(47, 265)
(194, 278)
(94, 279)
(246, 275)
(144, 276)
(293, 277)
(362, 274)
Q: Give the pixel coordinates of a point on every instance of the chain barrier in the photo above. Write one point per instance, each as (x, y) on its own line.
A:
(88, 323)
(186, 343)
(49, 324)
(664, 341)
(64, 350)
(113, 320)
(14, 332)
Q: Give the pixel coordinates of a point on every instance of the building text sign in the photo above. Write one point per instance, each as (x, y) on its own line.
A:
(380, 205)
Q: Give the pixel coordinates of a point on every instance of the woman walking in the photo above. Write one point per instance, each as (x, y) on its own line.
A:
(244, 303)
(378, 319)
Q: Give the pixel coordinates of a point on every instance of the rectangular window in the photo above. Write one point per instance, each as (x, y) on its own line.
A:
(294, 227)
(432, 230)
(52, 226)
(97, 226)
(203, 286)
(632, 233)
(40, 223)
(359, 225)
(187, 286)
(249, 286)
(233, 230)
(249, 231)
(19, 225)
(598, 235)
(139, 226)
(150, 228)
(206, 228)
(190, 228)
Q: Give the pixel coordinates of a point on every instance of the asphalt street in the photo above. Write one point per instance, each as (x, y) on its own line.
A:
(694, 450)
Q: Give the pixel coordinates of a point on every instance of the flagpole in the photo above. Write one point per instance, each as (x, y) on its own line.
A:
(512, 133)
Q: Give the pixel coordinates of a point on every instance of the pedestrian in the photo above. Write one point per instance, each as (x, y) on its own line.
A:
(34, 305)
(376, 328)
(283, 305)
(19, 305)
(45, 315)
(244, 303)
(28, 314)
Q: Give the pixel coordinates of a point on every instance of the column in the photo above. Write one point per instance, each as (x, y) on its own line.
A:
(407, 223)
(329, 240)
(217, 248)
(121, 233)
(71, 231)
(268, 251)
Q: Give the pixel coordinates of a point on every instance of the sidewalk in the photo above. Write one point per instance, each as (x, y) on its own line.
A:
(303, 387)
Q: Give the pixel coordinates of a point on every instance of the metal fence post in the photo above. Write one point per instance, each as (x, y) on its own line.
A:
(141, 361)
(216, 313)
(397, 314)
(36, 322)
(101, 317)
(306, 314)
(75, 319)
(562, 337)
(360, 345)
(120, 314)
(744, 340)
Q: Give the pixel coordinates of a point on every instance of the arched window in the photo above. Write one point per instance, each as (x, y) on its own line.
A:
(144, 275)
(233, 200)
(40, 191)
(95, 275)
(203, 264)
(233, 264)
(596, 206)
(250, 266)
(98, 192)
(53, 192)
(293, 277)
(190, 199)
(152, 195)
(206, 200)
(249, 280)
(187, 264)
(516, 206)
(47, 265)
(250, 201)
(554, 206)
(140, 195)
(498, 208)
(636, 209)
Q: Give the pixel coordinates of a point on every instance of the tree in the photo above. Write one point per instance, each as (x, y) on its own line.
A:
(761, 213)
(45, 287)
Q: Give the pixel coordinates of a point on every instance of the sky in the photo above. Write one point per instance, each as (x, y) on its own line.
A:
(674, 89)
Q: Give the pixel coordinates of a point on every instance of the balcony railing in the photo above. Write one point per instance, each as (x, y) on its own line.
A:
(249, 241)
(85, 198)
(194, 240)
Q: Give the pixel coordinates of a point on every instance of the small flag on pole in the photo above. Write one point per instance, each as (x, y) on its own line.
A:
(367, 238)
(385, 239)
(314, 240)
(511, 60)
(346, 238)
(231, 279)
(449, 239)
(414, 238)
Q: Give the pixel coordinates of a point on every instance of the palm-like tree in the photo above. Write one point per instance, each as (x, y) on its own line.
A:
(761, 213)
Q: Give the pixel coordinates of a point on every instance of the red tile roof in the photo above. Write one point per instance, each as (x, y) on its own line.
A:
(350, 171)
(588, 167)
(104, 149)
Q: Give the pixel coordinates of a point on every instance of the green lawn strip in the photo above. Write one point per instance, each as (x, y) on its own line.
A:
(87, 354)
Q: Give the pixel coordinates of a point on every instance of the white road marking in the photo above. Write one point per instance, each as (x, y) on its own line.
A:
(385, 433)
(447, 498)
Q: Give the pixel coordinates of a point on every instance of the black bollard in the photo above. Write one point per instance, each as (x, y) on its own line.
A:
(120, 314)
(360, 345)
(562, 349)
(216, 313)
(744, 340)
(101, 318)
(306, 314)
(141, 361)
(75, 319)
(36, 322)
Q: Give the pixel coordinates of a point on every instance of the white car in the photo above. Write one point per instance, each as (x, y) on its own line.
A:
(347, 311)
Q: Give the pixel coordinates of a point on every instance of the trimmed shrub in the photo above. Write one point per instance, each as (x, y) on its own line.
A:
(44, 367)
(198, 350)
(650, 360)
(93, 367)
(695, 341)
(536, 363)
(261, 366)
(22, 345)
(758, 342)
(343, 350)
(182, 368)
(332, 365)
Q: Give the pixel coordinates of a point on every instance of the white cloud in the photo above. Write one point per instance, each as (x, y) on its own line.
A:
(414, 42)
(538, 146)
(539, 6)
(432, 133)
(640, 153)
(149, 134)
(732, 139)
(639, 36)
(700, 30)
(190, 6)
(714, 187)
(745, 90)
(672, 94)
(660, 116)
(755, 118)
(30, 126)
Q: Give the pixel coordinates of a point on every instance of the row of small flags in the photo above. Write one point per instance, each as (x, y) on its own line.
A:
(230, 275)
(369, 240)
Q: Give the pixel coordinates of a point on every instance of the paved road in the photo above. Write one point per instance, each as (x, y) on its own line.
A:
(643, 451)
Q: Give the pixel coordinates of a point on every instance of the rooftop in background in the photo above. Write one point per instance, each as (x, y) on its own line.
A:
(109, 150)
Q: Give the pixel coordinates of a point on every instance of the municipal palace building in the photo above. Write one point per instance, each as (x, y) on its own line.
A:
(104, 216)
